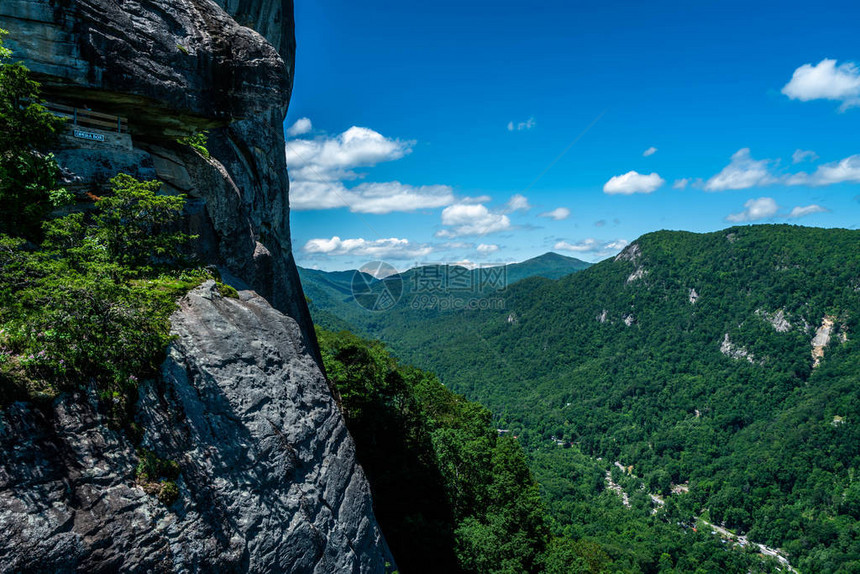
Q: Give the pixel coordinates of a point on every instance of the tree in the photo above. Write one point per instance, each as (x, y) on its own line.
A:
(28, 177)
(136, 223)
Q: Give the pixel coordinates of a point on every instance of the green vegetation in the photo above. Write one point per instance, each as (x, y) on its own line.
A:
(197, 141)
(28, 177)
(157, 476)
(89, 303)
(450, 495)
(768, 445)
(423, 291)
(84, 298)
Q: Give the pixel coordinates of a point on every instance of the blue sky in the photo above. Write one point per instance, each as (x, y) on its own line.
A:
(496, 131)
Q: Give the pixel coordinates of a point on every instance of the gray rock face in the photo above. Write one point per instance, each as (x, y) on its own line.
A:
(170, 66)
(269, 480)
(174, 67)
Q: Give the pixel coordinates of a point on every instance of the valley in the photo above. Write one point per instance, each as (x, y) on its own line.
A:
(745, 392)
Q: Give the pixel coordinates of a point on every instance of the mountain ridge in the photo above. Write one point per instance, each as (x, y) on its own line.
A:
(690, 358)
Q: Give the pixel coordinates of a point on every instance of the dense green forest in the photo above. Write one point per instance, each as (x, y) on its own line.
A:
(688, 360)
(450, 494)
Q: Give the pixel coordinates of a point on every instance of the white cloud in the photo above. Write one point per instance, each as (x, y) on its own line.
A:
(474, 200)
(517, 202)
(650, 151)
(756, 209)
(391, 248)
(319, 167)
(521, 126)
(301, 127)
(800, 155)
(472, 220)
(487, 248)
(681, 183)
(801, 211)
(743, 172)
(376, 198)
(329, 158)
(592, 246)
(464, 263)
(633, 182)
(826, 81)
(559, 213)
(842, 171)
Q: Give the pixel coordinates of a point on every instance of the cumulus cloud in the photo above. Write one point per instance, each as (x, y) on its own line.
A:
(391, 248)
(521, 126)
(826, 81)
(487, 248)
(464, 220)
(376, 198)
(800, 156)
(633, 182)
(301, 127)
(842, 171)
(742, 172)
(801, 211)
(517, 202)
(319, 168)
(592, 246)
(559, 213)
(756, 209)
(650, 151)
(328, 158)
(681, 183)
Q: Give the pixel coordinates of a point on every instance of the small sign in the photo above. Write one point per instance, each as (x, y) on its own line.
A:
(89, 136)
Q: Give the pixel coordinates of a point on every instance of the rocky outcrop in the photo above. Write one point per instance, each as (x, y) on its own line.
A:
(170, 66)
(268, 476)
(693, 296)
(777, 320)
(733, 351)
(821, 339)
(173, 68)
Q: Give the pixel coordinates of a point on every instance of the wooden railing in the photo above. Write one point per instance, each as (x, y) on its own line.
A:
(87, 118)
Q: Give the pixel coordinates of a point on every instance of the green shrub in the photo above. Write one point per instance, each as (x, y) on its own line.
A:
(93, 302)
(157, 476)
(169, 493)
(227, 290)
(197, 141)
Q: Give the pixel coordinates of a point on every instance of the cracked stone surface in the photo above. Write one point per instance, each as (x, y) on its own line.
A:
(269, 481)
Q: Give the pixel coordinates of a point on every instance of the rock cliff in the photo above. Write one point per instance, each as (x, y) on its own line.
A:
(173, 68)
(268, 479)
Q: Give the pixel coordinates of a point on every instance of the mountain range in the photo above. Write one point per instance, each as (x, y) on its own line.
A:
(715, 374)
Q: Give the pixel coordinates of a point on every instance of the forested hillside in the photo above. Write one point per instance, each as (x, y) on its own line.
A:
(720, 371)
(351, 299)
